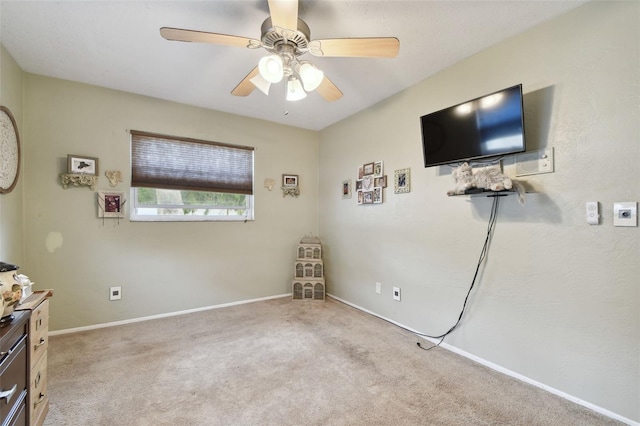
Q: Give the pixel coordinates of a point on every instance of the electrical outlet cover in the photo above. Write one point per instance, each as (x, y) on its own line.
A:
(115, 293)
(396, 293)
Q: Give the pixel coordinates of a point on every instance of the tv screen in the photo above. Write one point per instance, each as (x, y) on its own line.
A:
(488, 126)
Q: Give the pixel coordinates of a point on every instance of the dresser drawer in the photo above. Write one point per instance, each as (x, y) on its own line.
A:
(13, 381)
(20, 418)
(10, 338)
(40, 317)
(39, 331)
(38, 389)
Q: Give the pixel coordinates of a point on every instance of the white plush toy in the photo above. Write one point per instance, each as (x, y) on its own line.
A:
(489, 178)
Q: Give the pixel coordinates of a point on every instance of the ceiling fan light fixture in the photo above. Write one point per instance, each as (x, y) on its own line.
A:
(271, 68)
(262, 84)
(295, 92)
(311, 76)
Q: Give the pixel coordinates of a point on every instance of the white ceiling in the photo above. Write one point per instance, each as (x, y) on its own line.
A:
(117, 44)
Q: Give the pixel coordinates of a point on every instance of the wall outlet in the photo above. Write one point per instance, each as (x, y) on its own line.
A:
(115, 293)
(379, 288)
(396, 293)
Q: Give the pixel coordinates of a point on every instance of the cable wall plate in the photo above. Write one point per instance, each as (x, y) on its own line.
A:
(534, 162)
(625, 213)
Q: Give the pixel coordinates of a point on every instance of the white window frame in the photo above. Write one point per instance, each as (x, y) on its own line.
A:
(141, 217)
(172, 163)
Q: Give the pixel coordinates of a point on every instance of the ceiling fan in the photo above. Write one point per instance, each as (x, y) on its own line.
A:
(287, 37)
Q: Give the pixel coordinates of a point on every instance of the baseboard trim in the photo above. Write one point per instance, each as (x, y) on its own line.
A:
(500, 369)
(166, 315)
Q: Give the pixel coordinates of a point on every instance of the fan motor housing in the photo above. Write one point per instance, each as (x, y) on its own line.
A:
(274, 36)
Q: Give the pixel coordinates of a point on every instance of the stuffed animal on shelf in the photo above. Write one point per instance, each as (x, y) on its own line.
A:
(488, 178)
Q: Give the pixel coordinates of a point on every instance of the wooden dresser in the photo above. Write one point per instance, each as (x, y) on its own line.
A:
(14, 370)
(37, 342)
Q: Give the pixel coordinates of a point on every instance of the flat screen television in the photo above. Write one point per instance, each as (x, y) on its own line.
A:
(488, 126)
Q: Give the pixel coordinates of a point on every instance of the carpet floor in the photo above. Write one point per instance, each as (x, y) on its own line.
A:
(283, 362)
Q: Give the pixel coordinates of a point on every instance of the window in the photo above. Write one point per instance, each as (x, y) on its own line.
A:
(182, 179)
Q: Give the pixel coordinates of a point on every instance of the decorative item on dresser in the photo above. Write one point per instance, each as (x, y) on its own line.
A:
(14, 382)
(308, 282)
(38, 341)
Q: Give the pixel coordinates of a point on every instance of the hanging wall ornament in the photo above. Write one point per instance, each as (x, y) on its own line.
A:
(114, 177)
(9, 151)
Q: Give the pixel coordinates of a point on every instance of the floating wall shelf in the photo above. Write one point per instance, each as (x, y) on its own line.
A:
(78, 180)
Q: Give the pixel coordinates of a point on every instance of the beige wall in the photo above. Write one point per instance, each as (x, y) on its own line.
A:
(162, 267)
(11, 218)
(558, 301)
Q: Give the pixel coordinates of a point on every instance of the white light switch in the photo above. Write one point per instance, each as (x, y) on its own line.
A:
(625, 213)
(593, 215)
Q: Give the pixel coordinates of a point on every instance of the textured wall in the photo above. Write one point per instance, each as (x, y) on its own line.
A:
(162, 267)
(558, 300)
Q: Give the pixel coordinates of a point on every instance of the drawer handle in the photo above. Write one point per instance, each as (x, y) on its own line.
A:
(40, 399)
(40, 343)
(8, 394)
(37, 380)
(38, 323)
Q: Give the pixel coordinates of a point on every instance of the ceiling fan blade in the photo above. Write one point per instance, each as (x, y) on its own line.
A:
(328, 90)
(284, 14)
(245, 87)
(177, 34)
(370, 47)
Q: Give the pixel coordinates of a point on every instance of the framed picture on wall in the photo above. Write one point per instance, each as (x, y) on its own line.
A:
(289, 181)
(111, 204)
(367, 197)
(377, 195)
(79, 164)
(378, 169)
(380, 181)
(402, 181)
(368, 169)
(346, 188)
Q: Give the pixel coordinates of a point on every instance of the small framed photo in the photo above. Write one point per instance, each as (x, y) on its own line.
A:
(346, 188)
(359, 185)
(111, 204)
(360, 172)
(380, 181)
(360, 197)
(377, 195)
(367, 197)
(289, 181)
(402, 181)
(79, 164)
(378, 169)
(368, 169)
(367, 183)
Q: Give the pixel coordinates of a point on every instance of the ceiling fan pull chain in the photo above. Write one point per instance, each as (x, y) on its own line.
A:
(284, 99)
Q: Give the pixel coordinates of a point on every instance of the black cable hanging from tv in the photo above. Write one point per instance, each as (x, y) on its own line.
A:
(483, 254)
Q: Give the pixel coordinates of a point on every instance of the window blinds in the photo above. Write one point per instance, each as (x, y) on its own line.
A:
(167, 162)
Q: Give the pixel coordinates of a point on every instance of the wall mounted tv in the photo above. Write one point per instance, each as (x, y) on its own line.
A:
(488, 126)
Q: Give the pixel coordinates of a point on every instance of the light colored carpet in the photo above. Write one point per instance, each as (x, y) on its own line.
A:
(283, 362)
